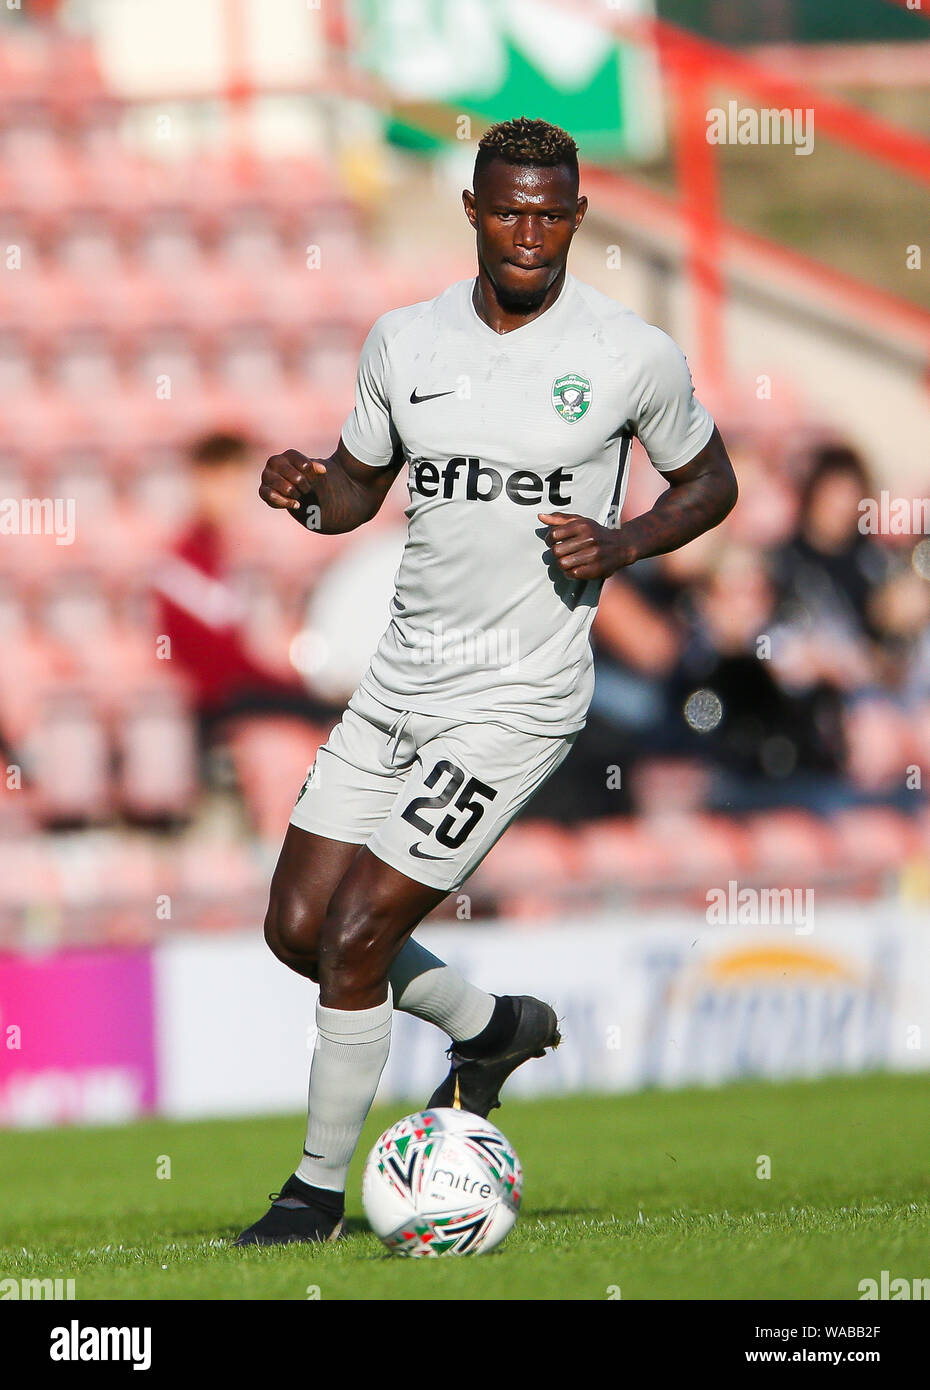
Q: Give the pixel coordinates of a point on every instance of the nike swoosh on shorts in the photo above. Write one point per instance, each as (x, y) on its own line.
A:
(420, 854)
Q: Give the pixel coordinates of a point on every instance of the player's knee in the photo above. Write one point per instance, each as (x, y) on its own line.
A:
(291, 931)
(354, 944)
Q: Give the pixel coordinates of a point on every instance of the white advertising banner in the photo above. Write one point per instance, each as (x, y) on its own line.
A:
(667, 1001)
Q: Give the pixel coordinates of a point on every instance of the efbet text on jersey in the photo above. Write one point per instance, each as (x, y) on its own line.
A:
(482, 483)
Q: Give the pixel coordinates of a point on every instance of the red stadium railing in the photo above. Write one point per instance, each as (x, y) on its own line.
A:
(692, 66)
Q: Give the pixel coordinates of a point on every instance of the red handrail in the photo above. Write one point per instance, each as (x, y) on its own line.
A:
(692, 65)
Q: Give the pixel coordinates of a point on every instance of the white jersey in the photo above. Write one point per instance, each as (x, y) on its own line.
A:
(496, 428)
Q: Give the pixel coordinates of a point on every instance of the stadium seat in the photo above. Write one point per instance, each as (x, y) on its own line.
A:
(534, 855)
(28, 875)
(791, 843)
(271, 757)
(16, 369)
(620, 852)
(706, 849)
(33, 668)
(158, 757)
(69, 761)
(212, 870)
(875, 838)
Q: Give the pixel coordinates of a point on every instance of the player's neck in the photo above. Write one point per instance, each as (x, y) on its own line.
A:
(505, 320)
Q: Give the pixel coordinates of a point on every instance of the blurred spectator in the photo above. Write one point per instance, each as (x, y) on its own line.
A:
(828, 570)
(899, 614)
(201, 612)
(786, 614)
(770, 745)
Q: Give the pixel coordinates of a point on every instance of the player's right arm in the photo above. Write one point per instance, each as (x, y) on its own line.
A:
(344, 492)
(346, 489)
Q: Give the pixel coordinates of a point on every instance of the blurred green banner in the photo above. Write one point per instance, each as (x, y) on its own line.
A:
(502, 58)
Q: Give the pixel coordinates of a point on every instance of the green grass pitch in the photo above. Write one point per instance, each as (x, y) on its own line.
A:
(655, 1195)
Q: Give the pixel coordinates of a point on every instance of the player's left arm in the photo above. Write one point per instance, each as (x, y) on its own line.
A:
(700, 494)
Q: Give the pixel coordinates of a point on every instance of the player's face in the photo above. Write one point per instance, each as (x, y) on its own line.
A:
(525, 217)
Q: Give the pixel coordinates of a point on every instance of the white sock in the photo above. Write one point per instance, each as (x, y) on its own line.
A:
(425, 986)
(351, 1049)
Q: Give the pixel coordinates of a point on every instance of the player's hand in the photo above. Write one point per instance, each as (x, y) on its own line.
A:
(582, 548)
(287, 478)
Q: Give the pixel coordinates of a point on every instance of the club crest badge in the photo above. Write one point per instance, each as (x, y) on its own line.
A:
(571, 396)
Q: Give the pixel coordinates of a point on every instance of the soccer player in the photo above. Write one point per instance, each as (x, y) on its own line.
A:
(512, 399)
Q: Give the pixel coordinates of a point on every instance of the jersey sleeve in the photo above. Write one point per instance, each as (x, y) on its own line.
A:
(671, 423)
(369, 431)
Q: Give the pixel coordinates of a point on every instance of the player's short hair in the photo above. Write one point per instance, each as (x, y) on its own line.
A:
(526, 141)
(218, 447)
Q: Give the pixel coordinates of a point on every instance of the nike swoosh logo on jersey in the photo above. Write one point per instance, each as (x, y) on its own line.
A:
(417, 400)
(420, 854)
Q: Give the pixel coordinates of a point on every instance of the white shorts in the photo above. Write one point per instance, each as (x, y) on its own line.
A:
(427, 794)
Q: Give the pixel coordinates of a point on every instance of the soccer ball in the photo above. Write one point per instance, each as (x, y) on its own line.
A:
(442, 1182)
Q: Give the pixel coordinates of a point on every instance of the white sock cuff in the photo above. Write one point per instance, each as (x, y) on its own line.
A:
(348, 1026)
(430, 990)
